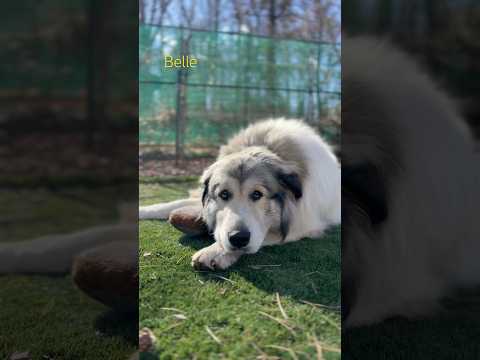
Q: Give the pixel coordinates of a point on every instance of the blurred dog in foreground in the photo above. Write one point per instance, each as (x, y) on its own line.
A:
(276, 181)
(410, 187)
(103, 260)
(55, 253)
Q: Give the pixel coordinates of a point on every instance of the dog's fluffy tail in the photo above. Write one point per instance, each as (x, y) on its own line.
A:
(162, 211)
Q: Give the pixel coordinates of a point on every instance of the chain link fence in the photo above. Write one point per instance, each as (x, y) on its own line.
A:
(239, 79)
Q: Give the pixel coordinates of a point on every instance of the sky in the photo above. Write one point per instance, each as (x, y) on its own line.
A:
(175, 19)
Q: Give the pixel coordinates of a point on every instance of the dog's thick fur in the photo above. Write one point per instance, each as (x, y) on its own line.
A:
(411, 194)
(288, 166)
(55, 253)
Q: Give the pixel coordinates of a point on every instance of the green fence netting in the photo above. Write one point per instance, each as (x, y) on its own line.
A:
(239, 79)
(46, 48)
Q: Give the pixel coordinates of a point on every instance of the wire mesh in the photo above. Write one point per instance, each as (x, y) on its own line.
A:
(239, 79)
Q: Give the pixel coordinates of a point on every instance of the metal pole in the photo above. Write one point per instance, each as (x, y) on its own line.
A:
(178, 116)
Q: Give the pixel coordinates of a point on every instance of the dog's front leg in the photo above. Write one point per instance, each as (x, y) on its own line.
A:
(214, 257)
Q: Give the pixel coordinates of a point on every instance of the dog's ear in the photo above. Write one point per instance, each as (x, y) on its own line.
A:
(205, 181)
(205, 190)
(284, 214)
(291, 181)
(365, 185)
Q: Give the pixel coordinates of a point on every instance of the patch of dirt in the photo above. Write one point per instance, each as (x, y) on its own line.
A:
(189, 167)
(65, 154)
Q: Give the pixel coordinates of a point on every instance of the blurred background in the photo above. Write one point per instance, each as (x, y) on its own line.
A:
(256, 59)
(67, 87)
(442, 35)
(68, 160)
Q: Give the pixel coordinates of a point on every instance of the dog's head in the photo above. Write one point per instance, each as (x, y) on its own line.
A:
(247, 195)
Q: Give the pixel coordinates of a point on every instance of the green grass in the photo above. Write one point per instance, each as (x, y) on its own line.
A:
(451, 335)
(47, 315)
(238, 306)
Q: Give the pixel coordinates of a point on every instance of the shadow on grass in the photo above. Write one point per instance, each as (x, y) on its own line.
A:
(453, 334)
(113, 323)
(305, 270)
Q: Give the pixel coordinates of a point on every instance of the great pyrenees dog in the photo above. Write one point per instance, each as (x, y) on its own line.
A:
(410, 185)
(276, 181)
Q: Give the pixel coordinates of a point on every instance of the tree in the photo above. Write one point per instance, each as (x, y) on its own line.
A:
(188, 17)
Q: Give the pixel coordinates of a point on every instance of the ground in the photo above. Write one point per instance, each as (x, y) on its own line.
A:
(282, 302)
(450, 335)
(57, 321)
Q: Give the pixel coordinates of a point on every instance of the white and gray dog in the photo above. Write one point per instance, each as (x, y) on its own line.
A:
(411, 189)
(276, 181)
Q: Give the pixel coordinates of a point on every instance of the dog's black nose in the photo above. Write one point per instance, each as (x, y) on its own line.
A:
(239, 239)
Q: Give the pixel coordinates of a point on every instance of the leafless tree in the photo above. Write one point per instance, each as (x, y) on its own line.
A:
(187, 12)
(158, 11)
(214, 14)
(141, 10)
(306, 19)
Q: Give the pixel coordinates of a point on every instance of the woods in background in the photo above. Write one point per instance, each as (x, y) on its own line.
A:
(257, 59)
(299, 19)
(444, 35)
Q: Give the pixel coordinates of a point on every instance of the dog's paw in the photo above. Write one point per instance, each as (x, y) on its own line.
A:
(213, 258)
(209, 258)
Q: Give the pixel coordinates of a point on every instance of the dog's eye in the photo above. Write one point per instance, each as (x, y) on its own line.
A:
(224, 195)
(256, 195)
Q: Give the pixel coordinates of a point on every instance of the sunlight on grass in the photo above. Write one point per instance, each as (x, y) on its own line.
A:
(282, 301)
(58, 321)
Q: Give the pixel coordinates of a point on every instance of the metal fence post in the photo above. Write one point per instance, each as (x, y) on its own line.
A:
(178, 109)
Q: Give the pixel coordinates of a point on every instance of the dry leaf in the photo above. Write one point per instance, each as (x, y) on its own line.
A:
(146, 340)
(180, 316)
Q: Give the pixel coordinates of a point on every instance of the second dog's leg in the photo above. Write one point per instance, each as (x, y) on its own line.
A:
(54, 254)
(162, 211)
(214, 257)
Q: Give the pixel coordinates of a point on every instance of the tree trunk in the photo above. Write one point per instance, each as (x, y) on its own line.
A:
(272, 30)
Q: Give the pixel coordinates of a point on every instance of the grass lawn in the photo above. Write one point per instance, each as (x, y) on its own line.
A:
(48, 316)
(264, 306)
(452, 335)
(445, 338)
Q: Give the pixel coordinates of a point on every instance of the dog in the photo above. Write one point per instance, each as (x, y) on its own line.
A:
(277, 181)
(410, 189)
(54, 254)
